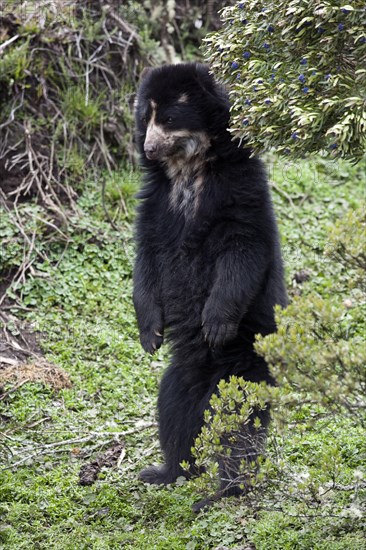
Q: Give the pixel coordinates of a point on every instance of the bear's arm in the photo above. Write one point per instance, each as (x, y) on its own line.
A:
(240, 272)
(146, 301)
(146, 282)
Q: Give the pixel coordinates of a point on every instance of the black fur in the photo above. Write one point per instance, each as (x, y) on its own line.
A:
(207, 279)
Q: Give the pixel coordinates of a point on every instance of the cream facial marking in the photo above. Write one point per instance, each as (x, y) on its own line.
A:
(155, 135)
(183, 98)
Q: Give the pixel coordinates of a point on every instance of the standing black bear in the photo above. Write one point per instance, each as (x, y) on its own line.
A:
(208, 271)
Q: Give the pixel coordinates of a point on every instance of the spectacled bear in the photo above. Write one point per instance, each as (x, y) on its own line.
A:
(208, 270)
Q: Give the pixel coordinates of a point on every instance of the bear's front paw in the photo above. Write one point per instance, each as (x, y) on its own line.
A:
(217, 334)
(151, 340)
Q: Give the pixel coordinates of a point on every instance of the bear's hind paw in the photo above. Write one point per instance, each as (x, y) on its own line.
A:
(156, 475)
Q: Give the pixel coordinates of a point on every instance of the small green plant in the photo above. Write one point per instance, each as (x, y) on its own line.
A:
(318, 347)
(231, 418)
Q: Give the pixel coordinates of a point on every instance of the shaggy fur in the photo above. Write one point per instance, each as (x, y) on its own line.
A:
(208, 271)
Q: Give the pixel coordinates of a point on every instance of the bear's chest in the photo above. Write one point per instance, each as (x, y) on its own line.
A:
(186, 186)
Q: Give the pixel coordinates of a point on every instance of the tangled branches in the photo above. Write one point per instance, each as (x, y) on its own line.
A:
(65, 101)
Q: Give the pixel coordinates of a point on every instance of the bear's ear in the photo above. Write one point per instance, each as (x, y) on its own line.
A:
(145, 72)
(203, 76)
(206, 81)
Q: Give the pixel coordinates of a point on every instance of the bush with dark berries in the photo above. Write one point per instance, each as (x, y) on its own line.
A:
(304, 58)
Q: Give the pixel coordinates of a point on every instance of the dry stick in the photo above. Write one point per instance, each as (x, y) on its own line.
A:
(77, 42)
(13, 110)
(99, 48)
(127, 47)
(108, 158)
(181, 44)
(104, 152)
(105, 208)
(45, 449)
(12, 343)
(52, 448)
(27, 262)
(6, 436)
(19, 275)
(124, 207)
(57, 206)
(50, 224)
(91, 153)
(283, 194)
(9, 361)
(51, 159)
(121, 23)
(16, 306)
(7, 42)
(26, 426)
(121, 457)
(209, 12)
(25, 236)
(106, 32)
(18, 225)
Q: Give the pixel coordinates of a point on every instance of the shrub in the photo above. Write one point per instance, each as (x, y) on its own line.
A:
(317, 356)
(296, 73)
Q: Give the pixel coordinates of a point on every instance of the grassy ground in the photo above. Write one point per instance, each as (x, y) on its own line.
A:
(83, 307)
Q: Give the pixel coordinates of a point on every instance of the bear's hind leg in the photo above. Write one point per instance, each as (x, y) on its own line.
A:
(180, 408)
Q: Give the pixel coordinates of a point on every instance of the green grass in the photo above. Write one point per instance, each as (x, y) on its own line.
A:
(84, 310)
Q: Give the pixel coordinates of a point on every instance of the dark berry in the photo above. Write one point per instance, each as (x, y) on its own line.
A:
(302, 78)
(246, 55)
(270, 28)
(234, 65)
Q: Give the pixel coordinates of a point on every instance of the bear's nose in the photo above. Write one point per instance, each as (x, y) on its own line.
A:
(150, 151)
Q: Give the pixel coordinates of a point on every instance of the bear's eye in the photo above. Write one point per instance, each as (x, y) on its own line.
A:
(144, 120)
(169, 120)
